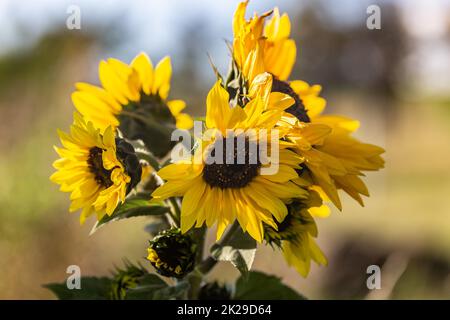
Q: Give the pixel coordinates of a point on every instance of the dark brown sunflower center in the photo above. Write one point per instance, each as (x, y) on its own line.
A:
(297, 109)
(95, 162)
(235, 167)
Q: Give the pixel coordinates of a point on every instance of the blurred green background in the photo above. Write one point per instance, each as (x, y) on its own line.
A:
(396, 81)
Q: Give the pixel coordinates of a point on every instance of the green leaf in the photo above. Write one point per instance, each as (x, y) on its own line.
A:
(260, 286)
(147, 287)
(239, 250)
(176, 291)
(152, 287)
(135, 206)
(213, 66)
(133, 279)
(92, 288)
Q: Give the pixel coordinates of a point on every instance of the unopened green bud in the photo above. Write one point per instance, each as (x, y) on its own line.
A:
(172, 254)
(125, 279)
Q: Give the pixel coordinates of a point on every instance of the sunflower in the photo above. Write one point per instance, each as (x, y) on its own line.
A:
(220, 191)
(300, 252)
(296, 234)
(277, 50)
(258, 48)
(333, 159)
(97, 168)
(134, 98)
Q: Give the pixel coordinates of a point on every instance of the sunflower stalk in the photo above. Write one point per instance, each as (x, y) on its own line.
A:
(196, 277)
(209, 263)
(148, 157)
(175, 213)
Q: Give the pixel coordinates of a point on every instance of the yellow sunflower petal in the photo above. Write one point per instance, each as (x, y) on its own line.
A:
(163, 74)
(184, 121)
(176, 106)
(143, 65)
(193, 197)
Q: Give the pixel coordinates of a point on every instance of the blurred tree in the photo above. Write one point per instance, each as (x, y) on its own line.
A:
(350, 56)
(189, 81)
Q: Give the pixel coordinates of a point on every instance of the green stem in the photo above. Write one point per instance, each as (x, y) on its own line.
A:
(195, 278)
(209, 263)
(176, 214)
(200, 237)
(149, 158)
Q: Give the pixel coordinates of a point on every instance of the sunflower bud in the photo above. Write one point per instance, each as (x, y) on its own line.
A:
(214, 291)
(172, 254)
(125, 279)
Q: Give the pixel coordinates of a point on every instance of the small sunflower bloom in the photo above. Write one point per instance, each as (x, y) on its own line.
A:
(220, 192)
(296, 234)
(333, 159)
(278, 51)
(97, 168)
(172, 254)
(300, 252)
(260, 46)
(134, 98)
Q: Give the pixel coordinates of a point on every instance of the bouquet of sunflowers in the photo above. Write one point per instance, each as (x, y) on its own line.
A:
(258, 168)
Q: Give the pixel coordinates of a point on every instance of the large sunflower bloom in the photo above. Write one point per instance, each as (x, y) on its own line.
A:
(134, 98)
(220, 193)
(91, 169)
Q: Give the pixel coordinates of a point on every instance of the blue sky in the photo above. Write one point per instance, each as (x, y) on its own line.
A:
(155, 26)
